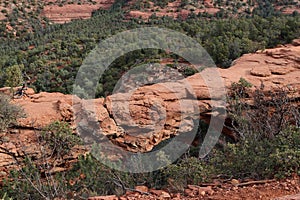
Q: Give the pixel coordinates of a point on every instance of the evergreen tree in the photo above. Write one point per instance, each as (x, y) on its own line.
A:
(13, 76)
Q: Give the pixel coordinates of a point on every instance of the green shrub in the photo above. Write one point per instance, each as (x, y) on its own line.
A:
(34, 176)
(59, 138)
(265, 115)
(189, 71)
(268, 140)
(187, 171)
(9, 113)
(90, 177)
(13, 75)
(28, 182)
(260, 159)
(240, 89)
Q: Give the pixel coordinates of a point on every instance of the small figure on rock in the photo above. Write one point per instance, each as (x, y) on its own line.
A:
(21, 92)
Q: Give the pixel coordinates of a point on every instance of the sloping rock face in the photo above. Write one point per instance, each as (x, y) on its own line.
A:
(275, 67)
(44, 108)
(140, 120)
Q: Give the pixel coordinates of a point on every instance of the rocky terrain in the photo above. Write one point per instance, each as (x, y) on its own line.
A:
(266, 190)
(133, 120)
(182, 9)
(26, 16)
(174, 9)
(122, 116)
(67, 12)
(18, 17)
(144, 9)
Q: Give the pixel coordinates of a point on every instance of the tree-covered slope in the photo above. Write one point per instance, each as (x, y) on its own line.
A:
(50, 57)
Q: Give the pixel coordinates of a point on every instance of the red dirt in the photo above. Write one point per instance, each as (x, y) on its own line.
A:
(287, 189)
(264, 191)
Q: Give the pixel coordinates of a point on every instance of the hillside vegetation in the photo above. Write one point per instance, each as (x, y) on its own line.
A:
(50, 57)
(47, 56)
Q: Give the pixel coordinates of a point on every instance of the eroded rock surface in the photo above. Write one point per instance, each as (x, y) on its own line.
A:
(140, 120)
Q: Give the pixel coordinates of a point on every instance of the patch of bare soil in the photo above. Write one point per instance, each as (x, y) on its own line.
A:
(265, 191)
(286, 189)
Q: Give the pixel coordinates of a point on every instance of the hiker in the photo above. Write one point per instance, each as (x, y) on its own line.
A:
(21, 92)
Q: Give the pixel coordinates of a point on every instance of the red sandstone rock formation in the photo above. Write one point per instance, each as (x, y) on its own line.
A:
(155, 112)
(68, 12)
